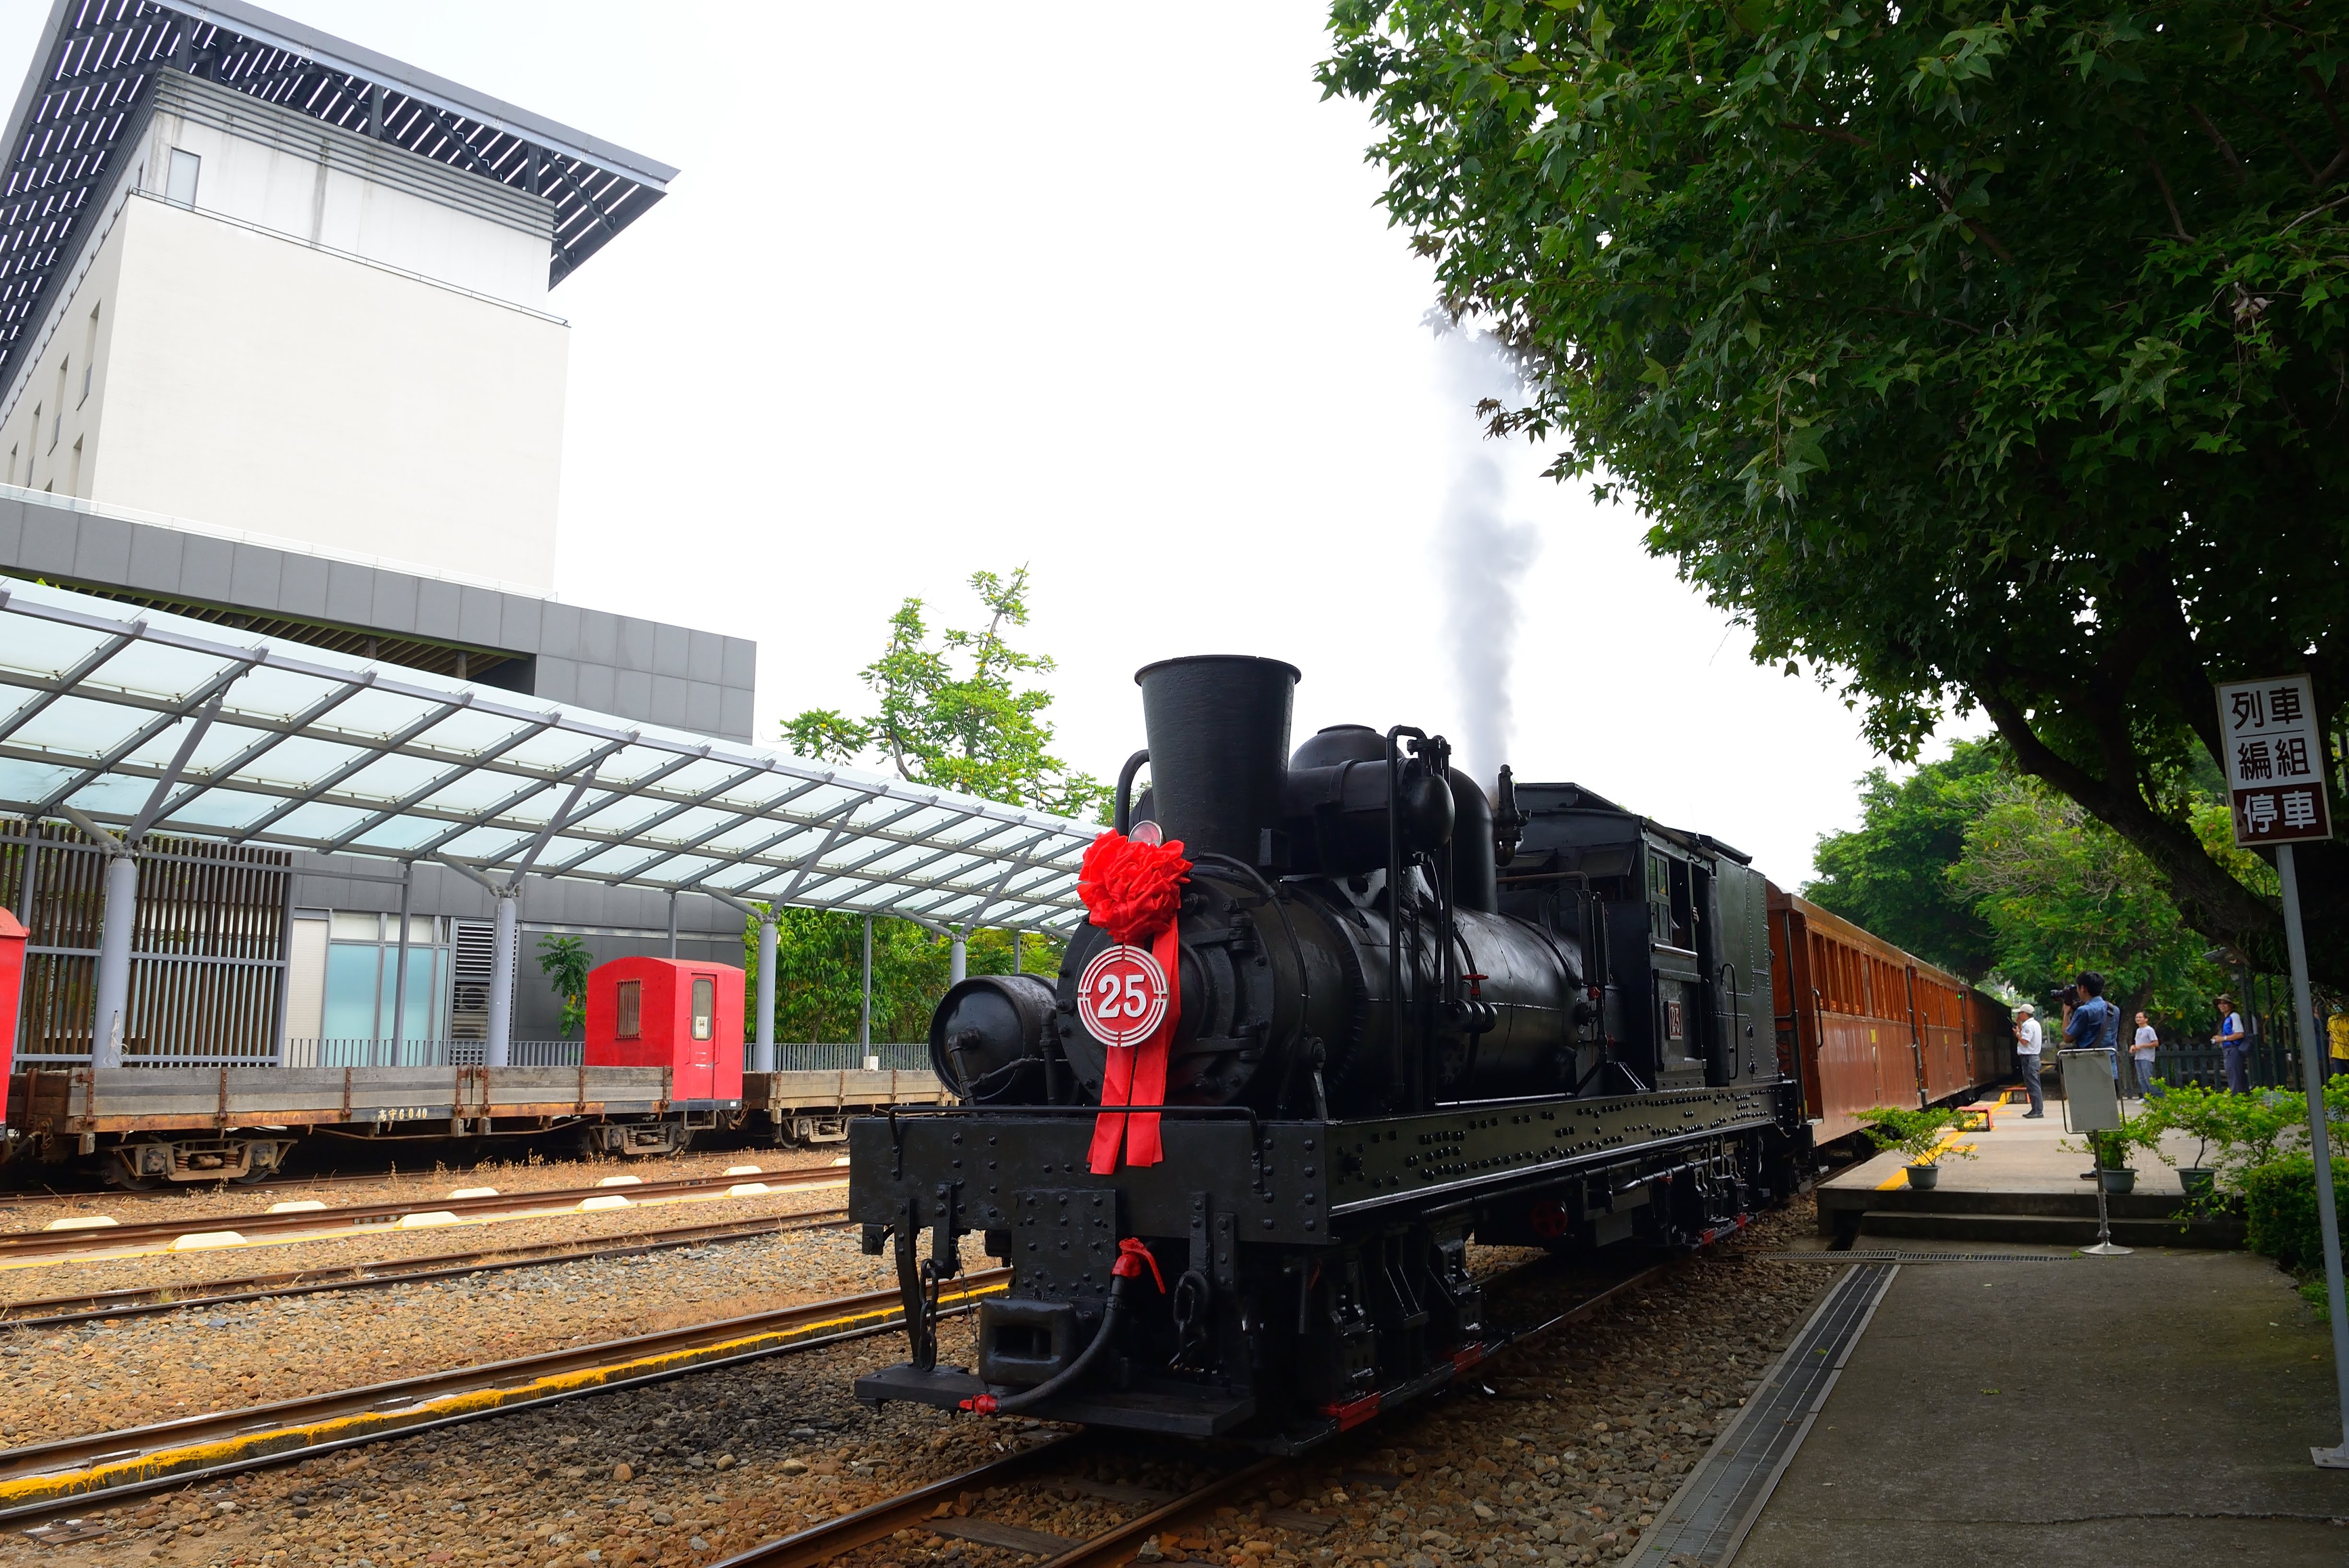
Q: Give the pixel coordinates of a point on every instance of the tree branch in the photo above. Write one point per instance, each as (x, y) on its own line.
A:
(2177, 223)
(1979, 230)
(2242, 175)
(2209, 899)
(1833, 133)
(2340, 135)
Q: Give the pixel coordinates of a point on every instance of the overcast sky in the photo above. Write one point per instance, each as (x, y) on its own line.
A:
(944, 287)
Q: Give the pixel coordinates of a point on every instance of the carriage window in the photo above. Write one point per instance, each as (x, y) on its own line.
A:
(705, 1006)
(632, 1011)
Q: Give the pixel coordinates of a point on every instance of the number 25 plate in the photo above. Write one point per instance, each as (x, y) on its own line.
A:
(1122, 996)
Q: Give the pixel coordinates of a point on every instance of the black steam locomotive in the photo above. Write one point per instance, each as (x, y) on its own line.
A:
(1410, 1015)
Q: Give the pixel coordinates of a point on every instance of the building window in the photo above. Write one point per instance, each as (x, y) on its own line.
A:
(630, 1026)
(363, 977)
(705, 1006)
(74, 488)
(180, 184)
(32, 446)
(12, 465)
(90, 354)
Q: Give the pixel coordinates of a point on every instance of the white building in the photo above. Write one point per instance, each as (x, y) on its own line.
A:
(274, 283)
(279, 348)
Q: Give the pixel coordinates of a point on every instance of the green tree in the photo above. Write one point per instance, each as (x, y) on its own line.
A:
(1891, 873)
(2062, 892)
(950, 713)
(564, 960)
(1973, 356)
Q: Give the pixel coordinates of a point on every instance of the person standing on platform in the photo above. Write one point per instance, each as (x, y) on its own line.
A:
(2027, 1036)
(2234, 1046)
(2336, 1033)
(2141, 1053)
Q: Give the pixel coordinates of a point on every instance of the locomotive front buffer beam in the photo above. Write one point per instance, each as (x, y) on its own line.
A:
(1291, 1265)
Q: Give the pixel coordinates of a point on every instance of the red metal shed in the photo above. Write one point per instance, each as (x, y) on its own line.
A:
(667, 1013)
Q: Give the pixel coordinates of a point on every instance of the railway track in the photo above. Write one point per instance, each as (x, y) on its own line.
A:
(275, 1183)
(45, 1480)
(29, 1246)
(1055, 1465)
(57, 1311)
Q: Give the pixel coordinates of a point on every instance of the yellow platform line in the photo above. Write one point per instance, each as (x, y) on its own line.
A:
(1899, 1177)
(378, 1230)
(341, 1431)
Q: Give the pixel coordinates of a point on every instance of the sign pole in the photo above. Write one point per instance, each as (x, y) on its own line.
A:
(2328, 1220)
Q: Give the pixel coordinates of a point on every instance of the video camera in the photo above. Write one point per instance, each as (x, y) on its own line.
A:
(2064, 996)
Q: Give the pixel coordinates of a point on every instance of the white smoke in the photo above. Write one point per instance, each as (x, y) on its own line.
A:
(1481, 556)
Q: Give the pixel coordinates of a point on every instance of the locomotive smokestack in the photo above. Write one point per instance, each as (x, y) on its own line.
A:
(1218, 729)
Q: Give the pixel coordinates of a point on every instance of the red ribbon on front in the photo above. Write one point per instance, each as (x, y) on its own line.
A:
(1133, 892)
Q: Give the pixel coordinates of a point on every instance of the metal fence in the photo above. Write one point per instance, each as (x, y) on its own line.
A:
(2272, 1063)
(364, 1053)
(849, 1058)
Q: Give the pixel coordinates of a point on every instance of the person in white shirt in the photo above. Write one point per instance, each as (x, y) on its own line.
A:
(2026, 1056)
(2141, 1052)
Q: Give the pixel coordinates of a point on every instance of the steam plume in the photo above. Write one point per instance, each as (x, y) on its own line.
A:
(1481, 556)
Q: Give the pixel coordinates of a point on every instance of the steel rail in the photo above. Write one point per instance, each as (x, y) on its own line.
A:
(326, 1223)
(833, 1538)
(48, 1479)
(105, 1306)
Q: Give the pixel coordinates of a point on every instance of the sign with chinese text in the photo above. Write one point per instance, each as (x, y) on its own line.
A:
(2274, 752)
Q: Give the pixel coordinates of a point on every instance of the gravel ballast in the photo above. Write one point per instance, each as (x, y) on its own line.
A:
(1557, 1454)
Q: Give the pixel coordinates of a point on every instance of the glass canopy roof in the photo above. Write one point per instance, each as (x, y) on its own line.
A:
(164, 722)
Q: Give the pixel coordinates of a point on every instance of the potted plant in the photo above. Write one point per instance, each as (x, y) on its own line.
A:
(1919, 1134)
(2112, 1146)
(2211, 1116)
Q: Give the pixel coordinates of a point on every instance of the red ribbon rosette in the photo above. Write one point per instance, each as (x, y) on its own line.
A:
(1130, 995)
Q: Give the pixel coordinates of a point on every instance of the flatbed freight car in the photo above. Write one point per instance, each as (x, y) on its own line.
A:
(143, 1126)
(1862, 1023)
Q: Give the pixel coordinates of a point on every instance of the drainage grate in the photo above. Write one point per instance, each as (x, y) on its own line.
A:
(1873, 1257)
(1707, 1519)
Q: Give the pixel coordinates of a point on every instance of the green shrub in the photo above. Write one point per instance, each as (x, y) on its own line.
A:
(2280, 1209)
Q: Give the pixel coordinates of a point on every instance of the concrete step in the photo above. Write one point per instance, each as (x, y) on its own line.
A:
(2053, 1205)
(2066, 1229)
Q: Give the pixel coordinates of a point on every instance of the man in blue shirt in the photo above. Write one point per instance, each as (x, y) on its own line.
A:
(2235, 1046)
(2093, 1026)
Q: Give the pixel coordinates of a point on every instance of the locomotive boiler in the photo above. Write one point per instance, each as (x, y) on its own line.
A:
(1394, 1014)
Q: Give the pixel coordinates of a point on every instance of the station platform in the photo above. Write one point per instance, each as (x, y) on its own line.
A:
(2152, 1410)
(2023, 1186)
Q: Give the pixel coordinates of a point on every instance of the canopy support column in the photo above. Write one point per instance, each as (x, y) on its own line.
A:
(400, 975)
(762, 1054)
(121, 914)
(864, 1024)
(501, 977)
(960, 960)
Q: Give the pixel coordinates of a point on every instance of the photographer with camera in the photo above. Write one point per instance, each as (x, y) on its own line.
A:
(2093, 1023)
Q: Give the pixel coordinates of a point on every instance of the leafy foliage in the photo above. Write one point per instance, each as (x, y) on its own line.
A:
(950, 714)
(1916, 1133)
(1974, 356)
(565, 961)
(820, 968)
(2061, 892)
(1891, 874)
(2280, 1209)
(1972, 865)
